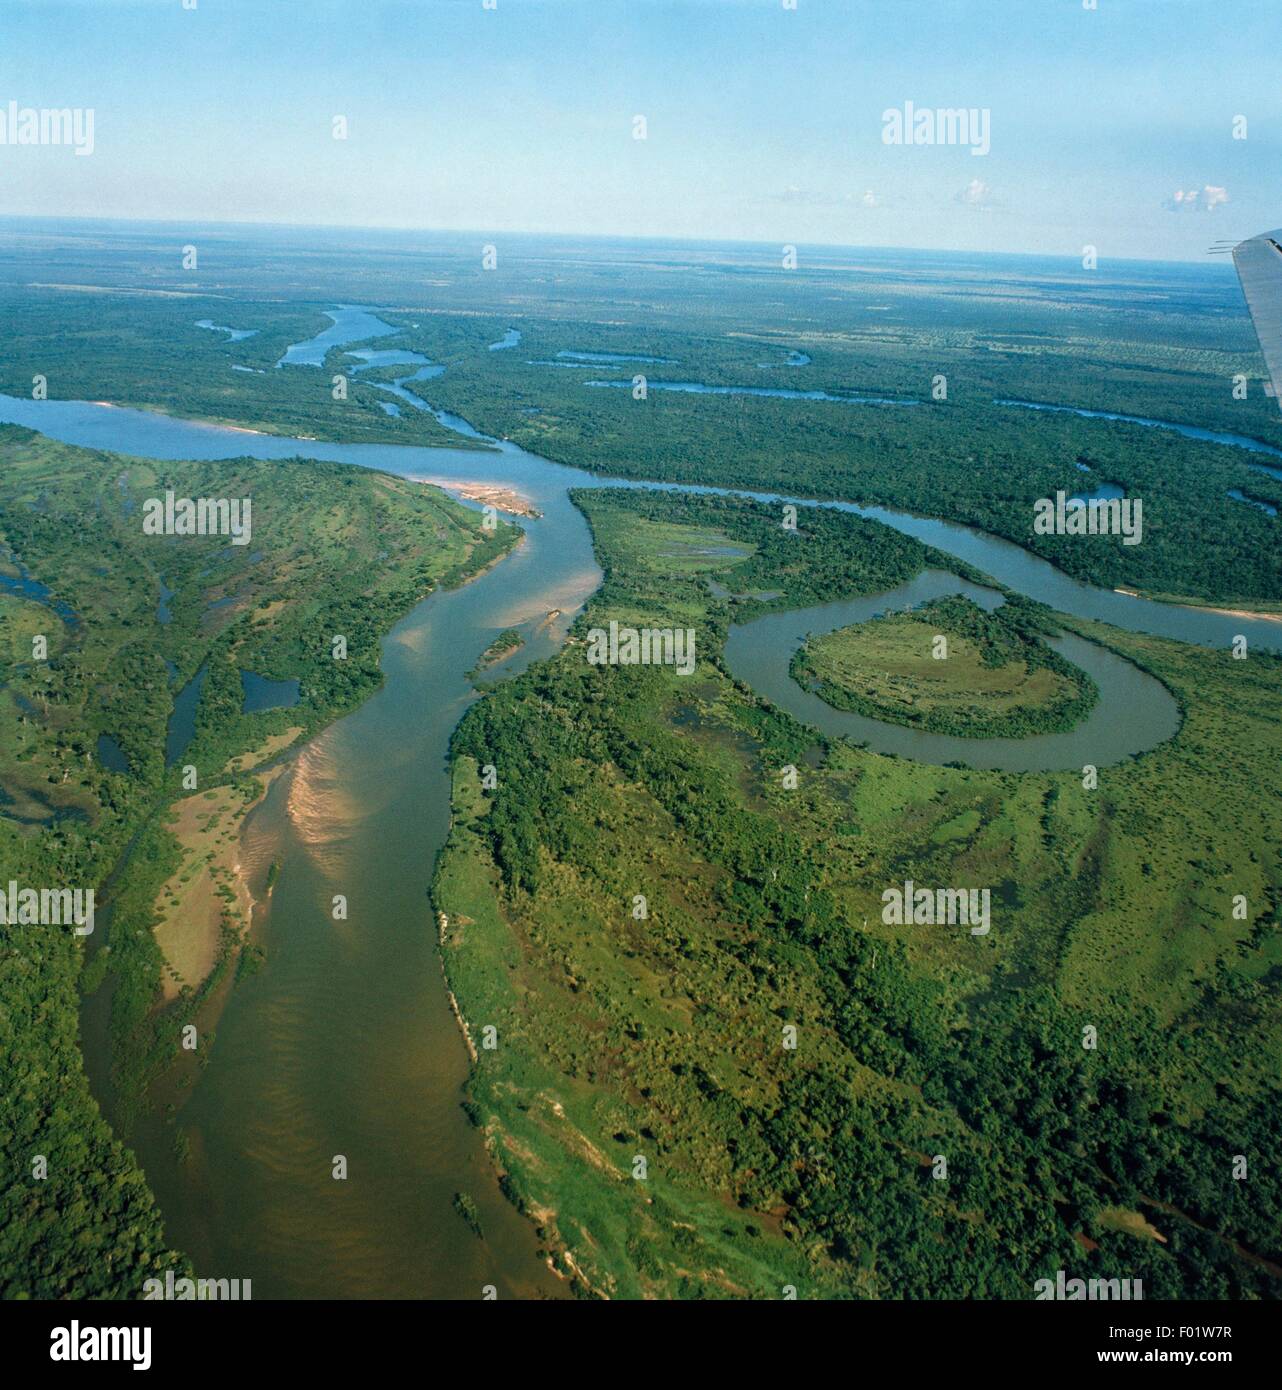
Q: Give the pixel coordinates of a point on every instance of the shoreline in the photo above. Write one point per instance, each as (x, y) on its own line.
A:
(498, 495)
(1235, 612)
(189, 933)
(1195, 607)
(274, 762)
(218, 856)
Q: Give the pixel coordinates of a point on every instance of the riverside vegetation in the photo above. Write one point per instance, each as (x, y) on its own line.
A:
(1162, 343)
(507, 642)
(994, 678)
(336, 549)
(663, 1039)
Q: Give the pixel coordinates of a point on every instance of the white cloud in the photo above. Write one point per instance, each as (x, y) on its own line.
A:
(805, 196)
(1191, 199)
(976, 194)
(811, 197)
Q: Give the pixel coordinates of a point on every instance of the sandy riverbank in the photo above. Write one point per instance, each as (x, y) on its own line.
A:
(505, 499)
(1208, 608)
(1240, 613)
(210, 886)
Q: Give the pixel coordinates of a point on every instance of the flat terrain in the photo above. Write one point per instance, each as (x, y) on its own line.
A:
(334, 549)
(663, 1038)
(1151, 341)
(985, 679)
(719, 1071)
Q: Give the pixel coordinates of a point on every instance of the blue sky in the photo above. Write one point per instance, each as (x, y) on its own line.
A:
(763, 123)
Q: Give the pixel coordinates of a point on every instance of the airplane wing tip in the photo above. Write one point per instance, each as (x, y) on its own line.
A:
(1258, 261)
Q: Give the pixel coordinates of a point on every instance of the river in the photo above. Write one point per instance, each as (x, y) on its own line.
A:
(344, 1042)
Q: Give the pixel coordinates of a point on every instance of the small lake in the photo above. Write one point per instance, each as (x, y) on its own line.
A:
(1105, 492)
(182, 722)
(234, 335)
(261, 693)
(111, 755)
(25, 586)
(349, 324)
(389, 357)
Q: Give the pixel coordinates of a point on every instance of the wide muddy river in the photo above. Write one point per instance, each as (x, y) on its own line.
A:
(344, 1042)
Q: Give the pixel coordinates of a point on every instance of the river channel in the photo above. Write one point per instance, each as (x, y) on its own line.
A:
(344, 1042)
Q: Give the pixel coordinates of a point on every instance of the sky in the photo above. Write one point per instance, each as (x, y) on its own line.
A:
(1110, 127)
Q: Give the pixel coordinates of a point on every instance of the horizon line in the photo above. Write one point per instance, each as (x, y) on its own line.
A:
(1205, 260)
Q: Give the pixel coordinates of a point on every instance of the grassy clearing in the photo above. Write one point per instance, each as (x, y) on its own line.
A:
(986, 677)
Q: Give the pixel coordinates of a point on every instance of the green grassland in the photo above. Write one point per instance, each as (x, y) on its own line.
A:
(334, 549)
(993, 678)
(662, 1037)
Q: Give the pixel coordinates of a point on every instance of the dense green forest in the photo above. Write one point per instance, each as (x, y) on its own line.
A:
(671, 876)
(1121, 339)
(147, 351)
(959, 1116)
(966, 458)
(130, 619)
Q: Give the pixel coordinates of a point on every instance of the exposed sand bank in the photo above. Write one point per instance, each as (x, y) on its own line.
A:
(505, 499)
(1245, 613)
(267, 749)
(195, 901)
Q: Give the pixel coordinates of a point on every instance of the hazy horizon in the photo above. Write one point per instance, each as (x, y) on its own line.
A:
(1217, 262)
(1147, 131)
